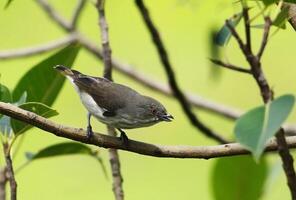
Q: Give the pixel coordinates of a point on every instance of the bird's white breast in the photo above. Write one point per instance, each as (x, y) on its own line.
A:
(91, 105)
(88, 102)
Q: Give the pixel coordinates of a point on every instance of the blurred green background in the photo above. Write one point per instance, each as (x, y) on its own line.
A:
(185, 28)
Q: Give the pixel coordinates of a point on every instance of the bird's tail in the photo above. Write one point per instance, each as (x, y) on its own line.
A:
(66, 71)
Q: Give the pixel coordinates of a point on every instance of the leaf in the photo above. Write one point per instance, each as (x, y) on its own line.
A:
(22, 99)
(269, 2)
(5, 95)
(42, 83)
(224, 34)
(281, 18)
(5, 127)
(36, 107)
(256, 127)
(238, 178)
(66, 148)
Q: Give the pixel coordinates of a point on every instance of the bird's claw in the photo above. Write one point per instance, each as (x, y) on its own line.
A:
(89, 132)
(124, 138)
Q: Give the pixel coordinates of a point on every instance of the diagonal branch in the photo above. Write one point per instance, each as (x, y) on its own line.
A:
(113, 154)
(106, 141)
(54, 15)
(79, 7)
(19, 53)
(267, 25)
(163, 55)
(230, 66)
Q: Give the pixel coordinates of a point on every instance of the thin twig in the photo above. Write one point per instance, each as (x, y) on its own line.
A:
(230, 66)
(10, 172)
(79, 7)
(163, 55)
(155, 150)
(54, 15)
(267, 95)
(3, 180)
(247, 28)
(113, 154)
(265, 36)
(19, 53)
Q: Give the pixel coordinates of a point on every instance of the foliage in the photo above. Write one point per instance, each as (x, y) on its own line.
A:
(256, 127)
(238, 178)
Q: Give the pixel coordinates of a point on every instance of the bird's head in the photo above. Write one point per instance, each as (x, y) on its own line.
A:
(156, 110)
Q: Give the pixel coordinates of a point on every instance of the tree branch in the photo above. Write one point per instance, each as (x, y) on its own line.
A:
(10, 172)
(230, 66)
(54, 15)
(24, 52)
(267, 25)
(163, 55)
(113, 154)
(247, 28)
(267, 95)
(3, 180)
(79, 7)
(105, 141)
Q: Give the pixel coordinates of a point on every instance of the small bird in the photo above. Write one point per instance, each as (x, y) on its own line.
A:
(114, 104)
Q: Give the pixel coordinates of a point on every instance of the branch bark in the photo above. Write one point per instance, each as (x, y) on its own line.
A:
(267, 95)
(164, 57)
(10, 172)
(113, 154)
(3, 180)
(19, 53)
(105, 141)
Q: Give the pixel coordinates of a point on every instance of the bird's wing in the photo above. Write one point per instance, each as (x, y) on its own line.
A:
(106, 94)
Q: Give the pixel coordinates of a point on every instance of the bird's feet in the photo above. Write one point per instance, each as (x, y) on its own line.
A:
(89, 132)
(123, 137)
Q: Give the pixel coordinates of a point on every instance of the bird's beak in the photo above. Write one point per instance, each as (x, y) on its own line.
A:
(167, 118)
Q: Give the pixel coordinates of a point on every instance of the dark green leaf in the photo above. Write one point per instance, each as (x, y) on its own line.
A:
(269, 2)
(224, 34)
(5, 95)
(238, 178)
(67, 148)
(42, 83)
(256, 127)
(36, 107)
(281, 18)
(22, 99)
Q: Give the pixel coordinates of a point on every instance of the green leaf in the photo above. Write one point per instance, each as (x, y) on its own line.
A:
(5, 95)
(36, 107)
(238, 178)
(5, 127)
(269, 2)
(66, 148)
(224, 34)
(42, 83)
(22, 99)
(281, 18)
(254, 129)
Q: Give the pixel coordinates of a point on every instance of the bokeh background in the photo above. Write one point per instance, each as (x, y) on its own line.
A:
(185, 26)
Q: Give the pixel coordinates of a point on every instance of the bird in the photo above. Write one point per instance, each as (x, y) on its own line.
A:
(113, 104)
